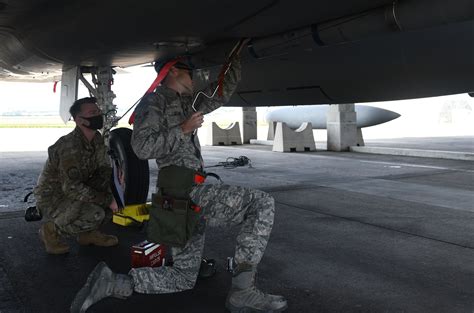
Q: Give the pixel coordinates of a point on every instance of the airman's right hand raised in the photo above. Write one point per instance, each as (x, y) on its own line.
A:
(192, 123)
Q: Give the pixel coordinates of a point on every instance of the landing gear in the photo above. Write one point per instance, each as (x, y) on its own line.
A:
(102, 78)
(135, 171)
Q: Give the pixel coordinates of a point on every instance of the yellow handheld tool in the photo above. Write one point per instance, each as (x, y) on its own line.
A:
(132, 214)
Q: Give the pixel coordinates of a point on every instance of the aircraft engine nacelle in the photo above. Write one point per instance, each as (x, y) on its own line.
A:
(16, 60)
(397, 17)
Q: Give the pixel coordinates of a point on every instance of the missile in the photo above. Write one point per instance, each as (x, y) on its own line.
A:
(316, 115)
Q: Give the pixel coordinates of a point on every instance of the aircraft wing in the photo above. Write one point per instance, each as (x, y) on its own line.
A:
(301, 52)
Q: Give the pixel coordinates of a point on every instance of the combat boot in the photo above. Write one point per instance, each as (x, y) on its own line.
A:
(51, 239)
(100, 284)
(96, 238)
(244, 297)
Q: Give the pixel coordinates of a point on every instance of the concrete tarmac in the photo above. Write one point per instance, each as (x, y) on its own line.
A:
(456, 148)
(353, 233)
(451, 144)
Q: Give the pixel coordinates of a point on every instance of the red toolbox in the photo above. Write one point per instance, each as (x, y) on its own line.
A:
(147, 254)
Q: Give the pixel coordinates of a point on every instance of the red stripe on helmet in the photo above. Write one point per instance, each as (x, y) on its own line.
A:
(159, 78)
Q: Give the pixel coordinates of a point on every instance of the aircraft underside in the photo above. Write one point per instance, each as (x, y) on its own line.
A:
(301, 52)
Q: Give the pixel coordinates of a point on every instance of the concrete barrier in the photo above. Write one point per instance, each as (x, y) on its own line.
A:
(288, 140)
(360, 139)
(225, 136)
(271, 130)
(341, 127)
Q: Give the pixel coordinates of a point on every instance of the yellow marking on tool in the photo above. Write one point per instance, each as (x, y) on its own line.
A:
(132, 213)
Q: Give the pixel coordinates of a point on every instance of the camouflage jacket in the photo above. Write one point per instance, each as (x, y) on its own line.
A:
(76, 169)
(157, 133)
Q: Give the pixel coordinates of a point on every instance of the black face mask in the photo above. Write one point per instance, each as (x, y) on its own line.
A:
(95, 122)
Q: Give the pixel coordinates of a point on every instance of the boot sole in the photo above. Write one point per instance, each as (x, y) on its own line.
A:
(83, 294)
(234, 309)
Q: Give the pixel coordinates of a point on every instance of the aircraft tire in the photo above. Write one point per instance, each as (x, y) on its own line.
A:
(137, 172)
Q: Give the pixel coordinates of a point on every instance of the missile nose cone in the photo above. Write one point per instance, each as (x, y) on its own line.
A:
(370, 116)
(387, 115)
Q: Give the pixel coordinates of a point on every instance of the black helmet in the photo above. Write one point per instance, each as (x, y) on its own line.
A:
(184, 62)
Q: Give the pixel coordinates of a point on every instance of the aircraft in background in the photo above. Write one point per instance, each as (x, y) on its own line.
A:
(305, 52)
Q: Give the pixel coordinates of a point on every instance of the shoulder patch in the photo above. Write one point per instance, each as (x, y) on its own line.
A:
(74, 173)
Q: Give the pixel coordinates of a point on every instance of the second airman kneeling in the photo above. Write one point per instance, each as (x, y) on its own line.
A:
(73, 190)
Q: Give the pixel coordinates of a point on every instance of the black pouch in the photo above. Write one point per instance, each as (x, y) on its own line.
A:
(172, 221)
(32, 213)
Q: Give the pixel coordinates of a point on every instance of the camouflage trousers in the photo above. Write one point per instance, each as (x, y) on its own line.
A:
(222, 205)
(72, 217)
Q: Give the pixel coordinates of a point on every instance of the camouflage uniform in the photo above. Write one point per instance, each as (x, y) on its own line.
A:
(157, 135)
(74, 188)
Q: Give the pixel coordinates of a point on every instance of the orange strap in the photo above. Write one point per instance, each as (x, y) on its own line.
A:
(196, 208)
(220, 82)
(159, 78)
(199, 179)
(225, 67)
